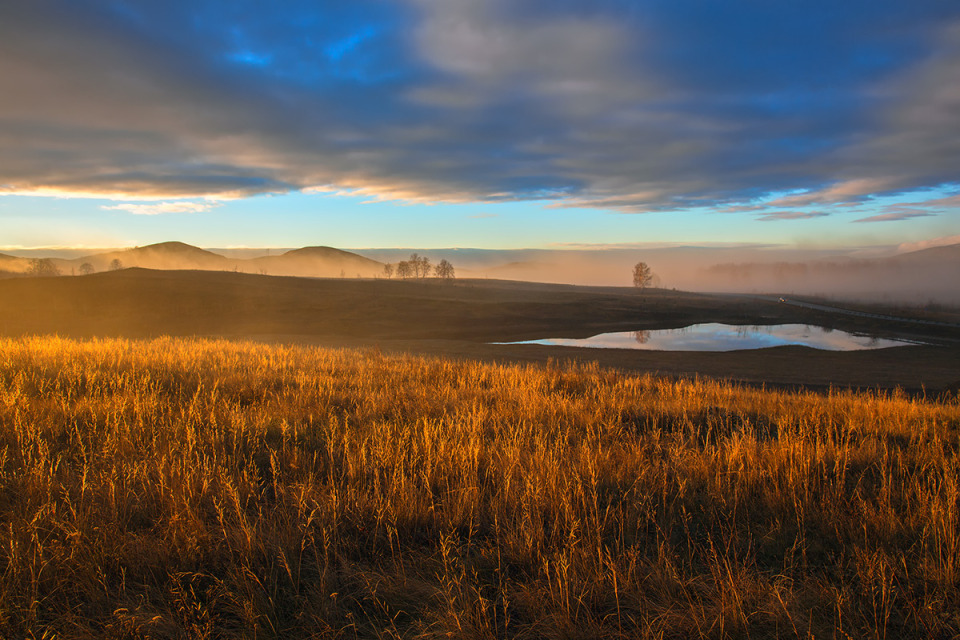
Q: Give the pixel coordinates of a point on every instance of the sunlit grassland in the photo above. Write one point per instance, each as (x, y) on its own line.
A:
(186, 488)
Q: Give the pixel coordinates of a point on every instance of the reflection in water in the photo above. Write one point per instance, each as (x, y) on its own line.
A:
(724, 337)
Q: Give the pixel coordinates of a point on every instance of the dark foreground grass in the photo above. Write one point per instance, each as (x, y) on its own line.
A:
(204, 489)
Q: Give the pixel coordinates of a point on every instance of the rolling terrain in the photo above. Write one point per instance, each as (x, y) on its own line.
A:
(307, 261)
(461, 318)
(215, 454)
(12, 265)
(918, 277)
(883, 275)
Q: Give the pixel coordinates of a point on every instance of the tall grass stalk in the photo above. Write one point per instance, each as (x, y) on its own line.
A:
(207, 489)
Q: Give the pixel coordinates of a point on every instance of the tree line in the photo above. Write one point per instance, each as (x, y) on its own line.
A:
(45, 267)
(418, 266)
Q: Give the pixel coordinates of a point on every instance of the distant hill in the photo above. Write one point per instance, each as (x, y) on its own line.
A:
(317, 261)
(8, 261)
(163, 255)
(933, 255)
(917, 277)
(12, 265)
(307, 262)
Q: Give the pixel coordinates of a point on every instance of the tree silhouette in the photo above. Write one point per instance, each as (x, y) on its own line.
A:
(43, 267)
(642, 275)
(116, 265)
(419, 265)
(86, 268)
(444, 270)
(416, 267)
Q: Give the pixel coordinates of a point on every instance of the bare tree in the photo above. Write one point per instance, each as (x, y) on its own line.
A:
(444, 270)
(116, 265)
(642, 275)
(404, 269)
(43, 267)
(86, 268)
(420, 265)
(388, 271)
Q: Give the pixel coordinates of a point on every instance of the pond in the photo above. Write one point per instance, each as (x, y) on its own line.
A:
(726, 337)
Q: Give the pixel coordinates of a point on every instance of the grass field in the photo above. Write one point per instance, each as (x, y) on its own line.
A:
(461, 319)
(205, 489)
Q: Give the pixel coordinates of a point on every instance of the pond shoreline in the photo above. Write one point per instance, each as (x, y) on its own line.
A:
(715, 336)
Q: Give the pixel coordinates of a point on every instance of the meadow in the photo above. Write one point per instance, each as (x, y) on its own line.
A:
(466, 318)
(177, 487)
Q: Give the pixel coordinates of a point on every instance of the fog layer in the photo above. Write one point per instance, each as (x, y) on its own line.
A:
(917, 277)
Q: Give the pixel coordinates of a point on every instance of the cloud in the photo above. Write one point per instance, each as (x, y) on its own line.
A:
(606, 104)
(792, 215)
(159, 208)
(896, 216)
(843, 192)
(936, 204)
(916, 209)
(914, 140)
(741, 208)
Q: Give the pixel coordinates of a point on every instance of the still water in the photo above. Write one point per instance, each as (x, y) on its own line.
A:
(726, 337)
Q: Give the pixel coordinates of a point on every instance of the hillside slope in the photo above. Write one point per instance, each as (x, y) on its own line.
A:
(323, 262)
(13, 264)
(915, 278)
(162, 255)
(317, 262)
(140, 302)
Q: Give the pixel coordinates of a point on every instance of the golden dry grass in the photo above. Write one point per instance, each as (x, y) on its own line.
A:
(206, 489)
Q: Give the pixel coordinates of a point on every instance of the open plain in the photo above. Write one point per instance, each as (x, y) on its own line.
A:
(463, 318)
(219, 455)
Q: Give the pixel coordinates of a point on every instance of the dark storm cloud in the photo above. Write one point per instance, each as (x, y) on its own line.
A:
(606, 104)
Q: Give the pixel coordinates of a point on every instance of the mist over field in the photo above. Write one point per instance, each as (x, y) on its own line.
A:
(913, 277)
(883, 275)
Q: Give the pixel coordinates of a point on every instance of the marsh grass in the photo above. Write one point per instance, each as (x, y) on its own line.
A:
(207, 489)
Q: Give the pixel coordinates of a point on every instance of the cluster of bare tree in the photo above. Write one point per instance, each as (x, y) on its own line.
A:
(45, 267)
(42, 267)
(418, 267)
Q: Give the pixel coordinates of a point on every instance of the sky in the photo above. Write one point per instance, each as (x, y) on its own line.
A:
(479, 123)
